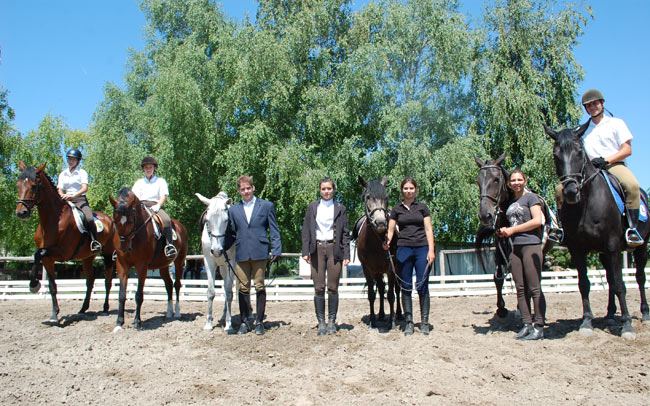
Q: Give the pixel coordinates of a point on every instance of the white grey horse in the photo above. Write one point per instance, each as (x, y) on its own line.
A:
(212, 244)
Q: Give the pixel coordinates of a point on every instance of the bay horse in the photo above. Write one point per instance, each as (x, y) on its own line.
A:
(376, 262)
(138, 247)
(593, 223)
(57, 237)
(214, 226)
(495, 195)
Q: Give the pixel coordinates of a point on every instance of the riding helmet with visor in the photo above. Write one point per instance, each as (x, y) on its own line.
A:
(74, 153)
(149, 160)
(591, 95)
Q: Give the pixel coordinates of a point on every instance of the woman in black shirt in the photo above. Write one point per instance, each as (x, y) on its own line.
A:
(525, 217)
(415, 249)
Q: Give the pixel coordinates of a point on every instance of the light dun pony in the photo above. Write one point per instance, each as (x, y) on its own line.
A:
(215, 224)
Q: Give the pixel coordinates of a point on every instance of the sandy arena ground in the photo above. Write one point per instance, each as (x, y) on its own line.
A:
(470, 358)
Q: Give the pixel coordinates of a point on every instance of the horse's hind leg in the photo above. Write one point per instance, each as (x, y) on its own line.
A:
(614, 264)
(391, 303)
(89, 273)
(169, 287)
(227, 306)
(210, 268)
(640, 260)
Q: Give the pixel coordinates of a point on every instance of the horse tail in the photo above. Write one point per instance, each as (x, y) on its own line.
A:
(481, 244)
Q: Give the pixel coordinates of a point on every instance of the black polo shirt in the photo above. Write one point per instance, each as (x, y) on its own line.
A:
(411, 224)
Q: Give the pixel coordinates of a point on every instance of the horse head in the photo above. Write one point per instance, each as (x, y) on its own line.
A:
(125, 211)
(492, 181)
(375, 201)
(571, 163)
(216, 221)
(29, 190)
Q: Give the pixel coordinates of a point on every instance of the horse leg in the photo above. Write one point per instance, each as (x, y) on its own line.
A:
(391, 303)
(614, 266)
(49, 267)
(371, 300)
(139, 296)
(169, 287)
(227, 306)
(641, 259)
(123, 276)
(610, 319)
(87, 266)
(37, 269)
(178, 265)
(210, 268)
(109, 266)
(579, 258)
(381, 287)
(499, 277)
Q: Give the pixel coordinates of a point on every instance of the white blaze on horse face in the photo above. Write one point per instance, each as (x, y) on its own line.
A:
(217, 221)
(123, 220)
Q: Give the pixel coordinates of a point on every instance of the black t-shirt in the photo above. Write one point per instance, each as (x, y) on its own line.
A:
(518, 213)
(411, 224)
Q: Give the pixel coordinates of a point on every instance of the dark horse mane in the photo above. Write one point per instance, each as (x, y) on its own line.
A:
(376, 190)
(122, 197)
(29, 173)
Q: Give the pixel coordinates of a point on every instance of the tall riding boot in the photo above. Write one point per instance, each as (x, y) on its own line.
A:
(333, 308)
(407, 304)
(170, 249)
(424, 310)
(249, 313)
(243, 313)
(260, 307)
(319, 304)
(632, 236)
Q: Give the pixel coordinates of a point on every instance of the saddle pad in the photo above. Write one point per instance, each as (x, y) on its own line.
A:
(79, 220)
(643, 210)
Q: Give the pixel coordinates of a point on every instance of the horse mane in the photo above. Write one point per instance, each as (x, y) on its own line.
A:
(376, 190)
(122, 197)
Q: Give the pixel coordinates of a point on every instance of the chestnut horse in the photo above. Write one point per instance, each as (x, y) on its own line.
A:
(375, 261)
(139, 248)
(57, 237)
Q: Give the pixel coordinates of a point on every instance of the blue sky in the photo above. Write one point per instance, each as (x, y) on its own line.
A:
(58, 55)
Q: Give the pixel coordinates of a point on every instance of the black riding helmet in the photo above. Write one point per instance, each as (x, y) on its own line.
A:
(591, 95)
(149, 160)
(74, 153)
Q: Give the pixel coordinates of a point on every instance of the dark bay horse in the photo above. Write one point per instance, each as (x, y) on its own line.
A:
(375, 261)
(592, 223)
(57, 237)
(494, 198)
(139, 248)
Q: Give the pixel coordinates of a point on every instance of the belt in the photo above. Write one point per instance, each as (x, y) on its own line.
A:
(323, 242)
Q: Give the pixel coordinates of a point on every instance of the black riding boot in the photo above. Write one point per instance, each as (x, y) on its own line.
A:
(319, 304)
(333, 308)
(632, 236)
(170, 249)
(244, 310)
(260, 307)
(407, 304)
(424, 310)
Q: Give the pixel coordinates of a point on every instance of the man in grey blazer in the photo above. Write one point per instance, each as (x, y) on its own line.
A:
(250, 219)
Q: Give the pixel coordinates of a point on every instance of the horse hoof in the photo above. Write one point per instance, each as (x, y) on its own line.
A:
(117, 328)
(629, 335)
(646, 317)
(177, 315)
(610, 321)
(586, 332)
(208, 326)
(34, 286)
(502, 313)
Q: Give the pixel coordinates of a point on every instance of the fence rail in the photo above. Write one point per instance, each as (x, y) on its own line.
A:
(288, 290)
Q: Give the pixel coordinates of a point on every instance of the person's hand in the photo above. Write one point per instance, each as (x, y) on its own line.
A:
(275, 258)
(386, 245)
(599, 163)
(346, 262)
(307, 259)
(155, 208)
(505, 232)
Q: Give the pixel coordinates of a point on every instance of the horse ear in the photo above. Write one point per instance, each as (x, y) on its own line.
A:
(549, 131)
(113, 202)
(500, 159)
(478, 161)
(202, 198)
(363, 182)
(41, 168)
(21, 165)
(384, 180)
(581, 131)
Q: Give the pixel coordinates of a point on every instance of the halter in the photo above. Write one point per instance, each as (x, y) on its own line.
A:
(497, 200)
(129, 237)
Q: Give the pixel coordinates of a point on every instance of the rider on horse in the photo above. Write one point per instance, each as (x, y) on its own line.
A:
(153, 191)
(607, 142)
(72, 187)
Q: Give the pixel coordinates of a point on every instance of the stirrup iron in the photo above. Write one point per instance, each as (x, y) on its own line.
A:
(170, 250)
(633, 238)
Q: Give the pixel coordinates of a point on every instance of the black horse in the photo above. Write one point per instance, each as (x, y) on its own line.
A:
(494, 198)
(370, 230)
(593, 223)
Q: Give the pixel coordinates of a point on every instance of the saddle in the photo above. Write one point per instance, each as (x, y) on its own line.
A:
(619, 196)
(158, 225)
(80, 219)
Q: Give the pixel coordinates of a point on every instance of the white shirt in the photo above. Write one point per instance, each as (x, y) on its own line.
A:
(70, 182)
(606, 138)
(151, 189)
(248, 208)
(325, 220)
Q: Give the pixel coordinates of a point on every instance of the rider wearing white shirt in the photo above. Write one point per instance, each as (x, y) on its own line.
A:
(72, 186)
(153, 191)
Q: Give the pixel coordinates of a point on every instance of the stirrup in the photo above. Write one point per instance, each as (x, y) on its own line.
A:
(95, 246)
(633, 238)
(556, 235)
(170, 250)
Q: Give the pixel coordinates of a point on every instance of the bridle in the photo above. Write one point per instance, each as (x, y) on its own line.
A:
(207, 228)
(369, 214)
(578, 177)
(129, 237)
(497, 200)
(35, 200)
